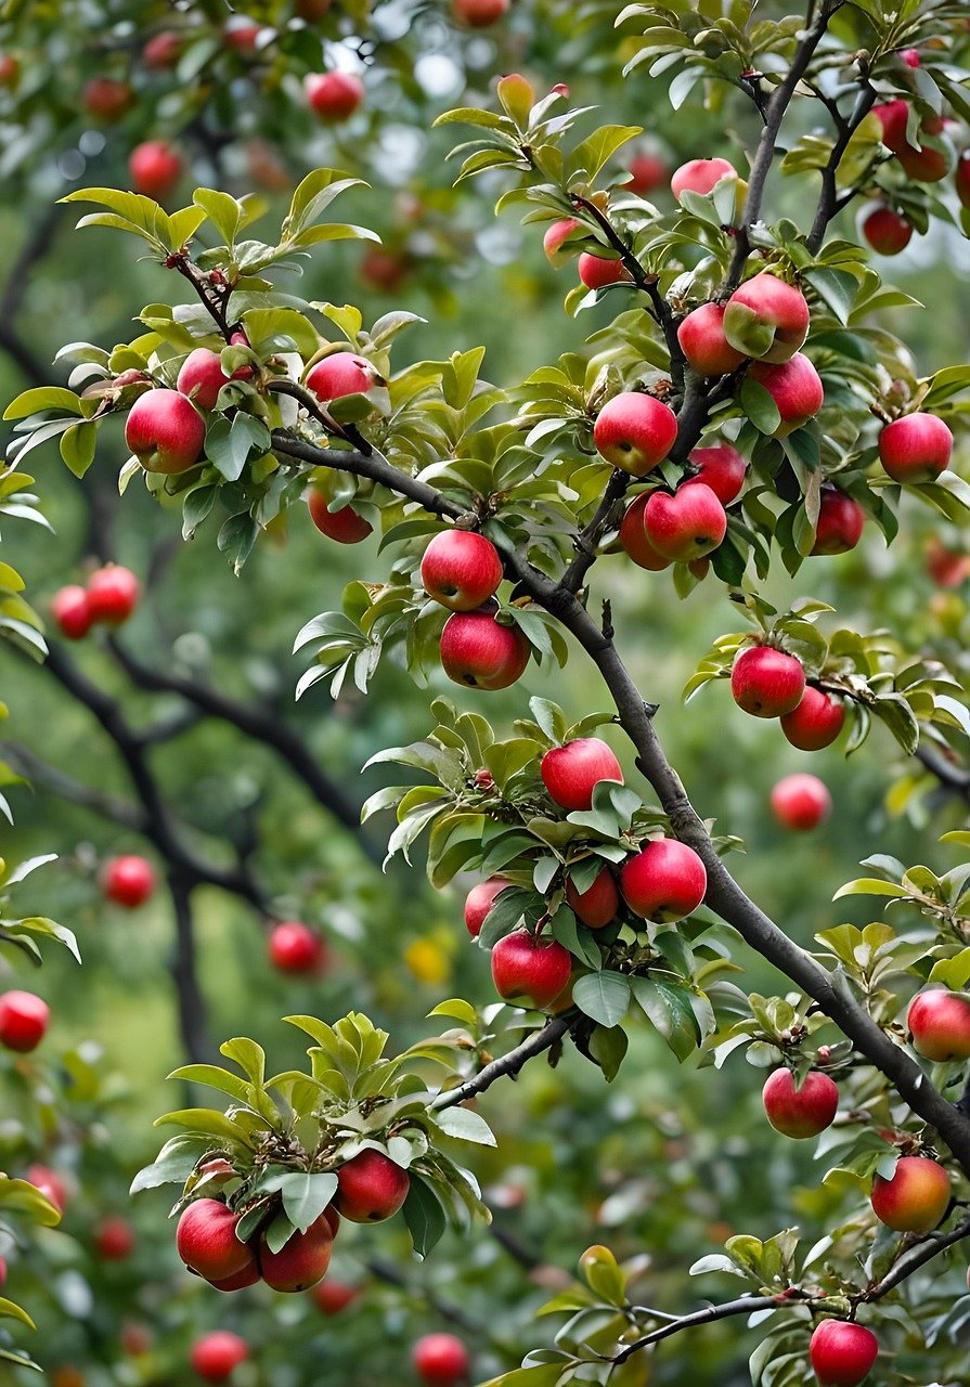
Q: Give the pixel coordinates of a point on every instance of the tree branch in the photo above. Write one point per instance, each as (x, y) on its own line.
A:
(952, 778)
(507, 1065)
(744, 1305)
(828, 203)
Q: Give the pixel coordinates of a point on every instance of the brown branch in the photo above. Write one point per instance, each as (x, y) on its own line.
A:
(744, 1305)
(828, 203)
(507, 1065)
(952, 778)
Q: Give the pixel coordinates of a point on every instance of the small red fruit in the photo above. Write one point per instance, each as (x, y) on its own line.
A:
(530, 971)
(479, 14)
(939, 1023)
(916, 1197)
(113, 593)
(962, 178)
(333, 1296)
(136, 1339)
(241, 33)
(295, 948)
(342, 373)
(216, 1356)
(840, 523)
(9, 71)
(334, 96)
(481, 653)
(947, 567)
(886, 231)
(128, 881)
(720, 467)
(647, 172)
(23, 1020)
(107, 98)
(635, 432)
(201, 377)
(687, 525)
(665, 881)
(207, 1243)
(915, 448)
(802, 1112)
(247, 1277)
(371, 1187)
(70, 609)
(343, 525)
(441, 1360)
(461, 569)
(768, 313)
(767, 683)
(702, 340)
(50, 1184)
(165, 432)
(301, 1262)
(384, 269)
(842, 1354)
(633, 537)
(114, 1239)
(597, 271)
(816, 722)
(598, 904)
(556, 235)
(155, 169)
(162, 50)
(700, 176)
(801, 802)
(571, 773)
(796, 389)
(479, 902)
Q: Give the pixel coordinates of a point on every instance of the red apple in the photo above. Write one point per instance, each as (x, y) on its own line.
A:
(162, 50)
(962, 178)
(441, 1360)
(50, 1184)
(23, 1020)
(816, 722)
(766, 682)
(479, 902)
(598, 904)
(915, 448)
(893, 116)
(385, 270)
(69, 608)
(128, 881)
(155, 169)
(916, 1197)
(301, 1262)
(107, 98)
(481, 653)
(635, 432)
(633, 537)
(767, 318)
(947, 567)
(201, 377)
(241, 33)
(842, 1354)
(207, 1243)
(461, 569)
(295, 948)
(334, 96)
(796, 389)
(113, 593)
(647, 172)
(800, 801)
(910, 57)
(557, 234)
(530, 971)
(342, 373)
(886, 231)
(596, 271)
(479, 14)
(840, 523)
(687, 525)
(114, 1239)
(333, 1296)
(247, 1277)
(702, 340)
(371, 1187)
(216, 1356)
(939, 1023)
(135, 1338)
(343, 525)
(165, 432)
(931, 162)
(570, 773)
(700, 176)
(720, 467)
(9, 71)
(665, 881)
(312, 9)
(801, 1112)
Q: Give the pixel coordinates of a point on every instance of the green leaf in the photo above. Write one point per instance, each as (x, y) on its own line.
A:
(424, 1216)
(870, 886)
(668, 1007)
(304, 1196)
(78, 445)
(603, 996)
(608, 1046)
(465, 1125)
(173, 1164)
(41, 398)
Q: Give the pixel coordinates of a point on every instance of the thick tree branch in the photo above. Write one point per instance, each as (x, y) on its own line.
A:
(507, 1065)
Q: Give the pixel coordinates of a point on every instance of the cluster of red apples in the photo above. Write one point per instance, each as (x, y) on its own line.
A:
(110, 597)
(663, 881)
(914, 1199)
(440, 1360)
